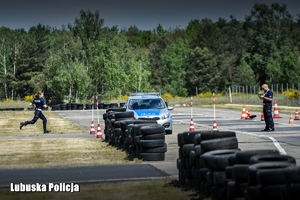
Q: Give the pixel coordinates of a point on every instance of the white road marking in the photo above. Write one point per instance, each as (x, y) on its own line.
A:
(277, 145)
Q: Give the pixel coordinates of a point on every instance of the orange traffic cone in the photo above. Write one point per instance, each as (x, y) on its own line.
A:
(192, 128)
(244, 114)
(291, 120)
(296, 115)
(99, 133)
(92, 128)
(276, 113)
(215, 128)
(262, 117)
(248, 114)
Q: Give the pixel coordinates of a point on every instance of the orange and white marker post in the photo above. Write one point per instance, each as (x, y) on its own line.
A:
(192, 127)
(215, 128)
(92, 131)
(99, 132)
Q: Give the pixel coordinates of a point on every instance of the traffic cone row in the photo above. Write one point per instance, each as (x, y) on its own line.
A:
(192, 128)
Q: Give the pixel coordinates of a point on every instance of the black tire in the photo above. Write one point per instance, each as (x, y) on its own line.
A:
(87, 106)
(63, 107)
(136, 128)
(236, 190)
(73, 106)
(140, 121)
(243, 157)
(188, 136)
(152, 143)
(197, 139)
(278, 176)
(292, 174)
(157, 136)
(202, 174)
(124, 114)
(125, 123)
(291, 191)
(272, 158)
(80, 107)
(180, 141)
(152, 129)
(113, 105)
(218, 144)
(217, 160)
(186, 150)
(252, 192)
(240, 172)
(219, 178)
(117, 124)
(209, 135)
(179, 164)
(258, 167)
(116, 109)
(195, 153)
(154, 150)
(270, 192)
(152, 156)
(228, 172)
(123, 119)
(192, 158)
(169, 132)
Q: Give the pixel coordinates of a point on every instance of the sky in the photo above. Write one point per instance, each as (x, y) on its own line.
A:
(144, 14)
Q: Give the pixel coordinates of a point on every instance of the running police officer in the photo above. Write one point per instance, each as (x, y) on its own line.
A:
(39, 103)
(267, 98)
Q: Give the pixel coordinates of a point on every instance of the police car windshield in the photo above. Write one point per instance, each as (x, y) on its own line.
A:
(140, 104)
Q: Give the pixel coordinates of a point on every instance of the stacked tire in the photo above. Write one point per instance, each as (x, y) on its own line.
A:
(144, 139)
(150, 143)
(194, 144)
(212, 163)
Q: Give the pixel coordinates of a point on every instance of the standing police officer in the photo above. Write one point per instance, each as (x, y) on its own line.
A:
(267, 98)
(39, 103)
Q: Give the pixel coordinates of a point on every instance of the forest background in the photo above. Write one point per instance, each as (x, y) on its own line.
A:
(86, 58)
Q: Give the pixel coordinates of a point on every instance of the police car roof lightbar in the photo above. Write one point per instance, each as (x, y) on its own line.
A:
(144, 93)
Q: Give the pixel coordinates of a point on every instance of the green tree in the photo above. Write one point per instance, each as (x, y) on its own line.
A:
(202, 71)
(66, 75)
(155, 54)
(174, 67)
(31, 62)
(269, 36)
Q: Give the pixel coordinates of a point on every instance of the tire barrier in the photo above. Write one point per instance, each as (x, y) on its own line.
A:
(12, 109)
(78, 106)
(211, 163)
(142, 139)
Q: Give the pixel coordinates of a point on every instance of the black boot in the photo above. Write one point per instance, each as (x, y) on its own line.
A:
(22, 124)
(46, 131)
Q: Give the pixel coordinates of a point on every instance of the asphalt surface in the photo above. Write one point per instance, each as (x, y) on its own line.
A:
(248, 132)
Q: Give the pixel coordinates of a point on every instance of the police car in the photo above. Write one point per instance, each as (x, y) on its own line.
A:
(150, 106)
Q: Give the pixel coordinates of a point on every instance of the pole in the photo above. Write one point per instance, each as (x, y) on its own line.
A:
(214, 100)
(97, 108)
(92, 108)
(230, 97)
(191, 107)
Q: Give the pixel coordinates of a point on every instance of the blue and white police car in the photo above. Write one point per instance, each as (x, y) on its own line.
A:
(152, 106)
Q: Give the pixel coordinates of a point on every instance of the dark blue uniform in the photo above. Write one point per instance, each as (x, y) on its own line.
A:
(39, 103)
(267, 110)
